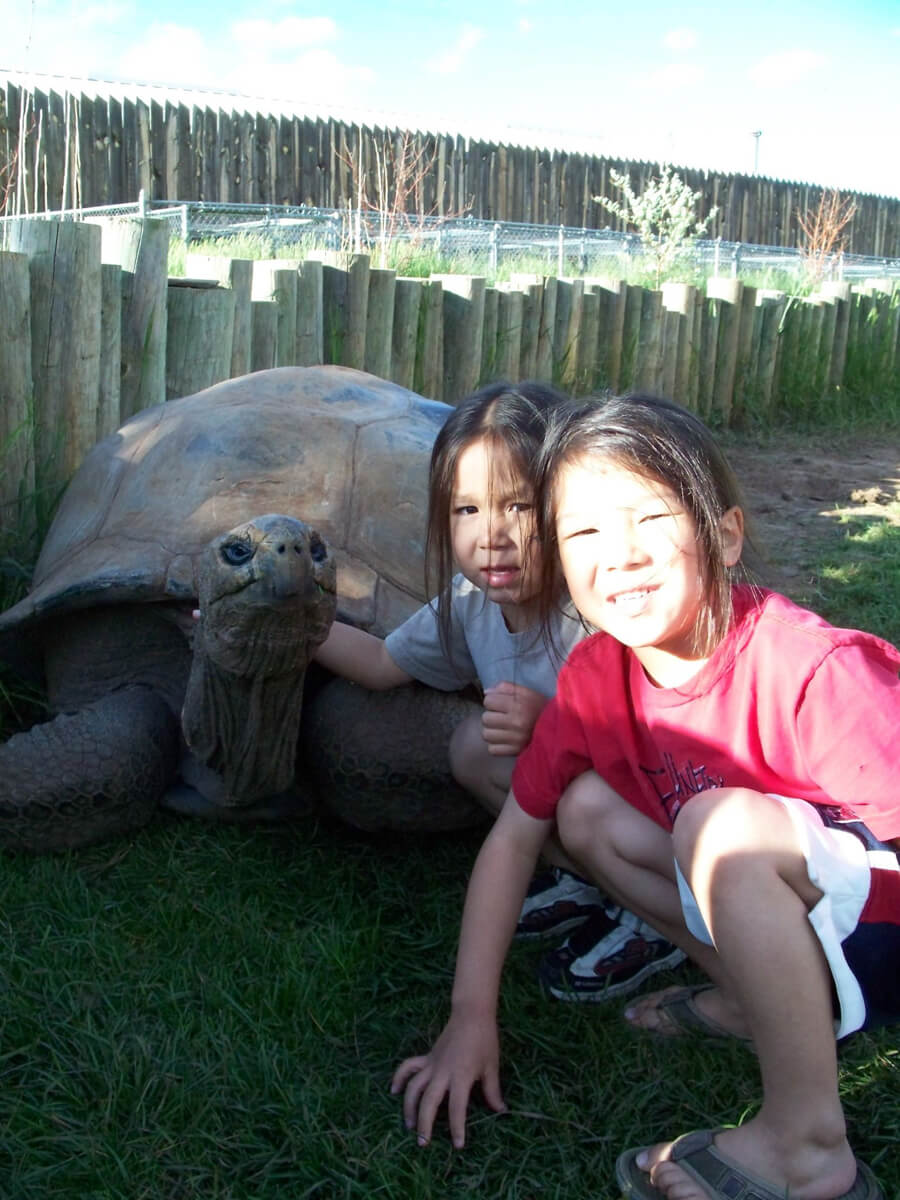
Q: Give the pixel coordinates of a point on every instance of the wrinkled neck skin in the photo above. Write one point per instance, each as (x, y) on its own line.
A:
(242, 707)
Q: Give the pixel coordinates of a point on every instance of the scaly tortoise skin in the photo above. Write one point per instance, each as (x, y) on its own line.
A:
(249, 498)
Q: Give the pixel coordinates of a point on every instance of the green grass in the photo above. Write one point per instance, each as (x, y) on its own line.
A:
(859, 581)
(209, 1011)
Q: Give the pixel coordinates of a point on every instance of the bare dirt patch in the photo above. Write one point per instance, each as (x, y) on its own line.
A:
(795, 487)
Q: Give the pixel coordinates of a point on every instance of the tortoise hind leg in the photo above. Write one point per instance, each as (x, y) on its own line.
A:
(89, 775)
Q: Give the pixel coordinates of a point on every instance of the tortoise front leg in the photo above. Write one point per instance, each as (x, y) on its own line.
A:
(89, 775)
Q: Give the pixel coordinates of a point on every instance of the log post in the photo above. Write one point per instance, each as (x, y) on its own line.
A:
(380, 322)
(405, 332)
(310, 349)
(429, 373)
(728, 294)
(198, 338)
(463, 297)
(237, 274)
(65, 285)
(109, 410)
(141, 248)
(264, 335)
(510, 307)
(17, 495)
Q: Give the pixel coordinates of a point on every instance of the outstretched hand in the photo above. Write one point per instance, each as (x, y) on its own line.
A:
(467, 1052)
(510, 713)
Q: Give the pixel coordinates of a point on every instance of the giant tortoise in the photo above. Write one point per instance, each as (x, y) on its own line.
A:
(243, 499)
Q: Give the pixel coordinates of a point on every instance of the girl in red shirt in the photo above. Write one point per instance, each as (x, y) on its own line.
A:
(739, 795)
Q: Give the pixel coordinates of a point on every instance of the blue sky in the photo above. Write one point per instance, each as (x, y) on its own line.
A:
(684, 83)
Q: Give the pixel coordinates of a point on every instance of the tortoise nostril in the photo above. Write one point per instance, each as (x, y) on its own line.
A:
(281, 548)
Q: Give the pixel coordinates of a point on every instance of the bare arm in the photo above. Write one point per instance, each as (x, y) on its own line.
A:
(360, 657)
(467, 1050)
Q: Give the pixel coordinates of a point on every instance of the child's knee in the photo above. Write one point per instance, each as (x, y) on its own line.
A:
(726, 833)
(587, 801)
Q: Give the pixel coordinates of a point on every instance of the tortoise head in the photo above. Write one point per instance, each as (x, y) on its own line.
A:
(267, 600)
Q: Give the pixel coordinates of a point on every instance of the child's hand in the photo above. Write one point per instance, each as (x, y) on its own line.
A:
(467, 1052)
(510, 712)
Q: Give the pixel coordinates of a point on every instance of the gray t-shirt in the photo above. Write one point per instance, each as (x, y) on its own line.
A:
(481, 648)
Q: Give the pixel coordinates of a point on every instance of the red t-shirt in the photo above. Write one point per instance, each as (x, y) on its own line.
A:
(787, 704)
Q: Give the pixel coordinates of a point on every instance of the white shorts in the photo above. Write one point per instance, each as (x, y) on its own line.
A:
(840, 863)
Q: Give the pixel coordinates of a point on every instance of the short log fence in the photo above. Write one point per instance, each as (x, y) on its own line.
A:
(92, 330)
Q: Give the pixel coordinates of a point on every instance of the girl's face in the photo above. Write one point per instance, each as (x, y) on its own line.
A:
(492, 530)
(631, 559)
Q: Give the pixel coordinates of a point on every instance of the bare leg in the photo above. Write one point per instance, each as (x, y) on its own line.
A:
(629, 856)
(488, 776)
(748, 874)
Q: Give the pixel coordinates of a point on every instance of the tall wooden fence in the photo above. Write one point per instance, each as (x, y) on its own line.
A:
(65, 151)
(92, 331)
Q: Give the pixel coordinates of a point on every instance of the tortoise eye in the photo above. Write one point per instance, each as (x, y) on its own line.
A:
(237, 553)
(318, 551)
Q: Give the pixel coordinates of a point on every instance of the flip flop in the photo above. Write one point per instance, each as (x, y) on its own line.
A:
(684, 1017)
(722, 1178)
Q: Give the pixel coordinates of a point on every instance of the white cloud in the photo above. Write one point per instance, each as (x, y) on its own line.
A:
(525, 26)
(453, 59)
(786, 67)
(169, 53)
(674, 77)
(315, 75)
(102, 16)
(680, 39)
(290, 33)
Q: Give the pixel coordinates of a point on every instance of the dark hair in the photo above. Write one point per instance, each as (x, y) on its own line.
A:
(515, 416)
(661, 441)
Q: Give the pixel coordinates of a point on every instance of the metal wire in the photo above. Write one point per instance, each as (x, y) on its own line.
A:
(477, 246)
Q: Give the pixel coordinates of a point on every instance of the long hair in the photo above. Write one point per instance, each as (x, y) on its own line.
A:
(514, 416)
(663, 442)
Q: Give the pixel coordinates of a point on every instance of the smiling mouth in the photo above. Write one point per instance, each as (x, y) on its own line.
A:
(632, 602)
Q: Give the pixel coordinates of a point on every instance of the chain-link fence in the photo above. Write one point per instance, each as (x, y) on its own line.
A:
(493, 248)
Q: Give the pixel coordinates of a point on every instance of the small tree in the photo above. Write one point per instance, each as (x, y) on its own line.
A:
(823, 231)
(664, 214)
(402, 169)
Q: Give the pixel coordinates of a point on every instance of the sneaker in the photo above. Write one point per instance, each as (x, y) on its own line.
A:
(610, 955)
(556, 902)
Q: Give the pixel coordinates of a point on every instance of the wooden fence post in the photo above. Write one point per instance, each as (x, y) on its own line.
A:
(772, 310)
(681, 298)
(310, 348)
(543, 364)
(429, 374)
(64, 270)
(357, 311)
(264, 336)
(141, 248)
(489, 335)
(727, 292)
(510, 307)
(335, 315)
(275, 279)
(631, 332)
(380, 322)
(531, 324)
(586, 373)
(648, 370)
(237, 274)
(198, 338)
(405, 330)
(16, 418)
(109, 399)
(567, 331)
(463, 327)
